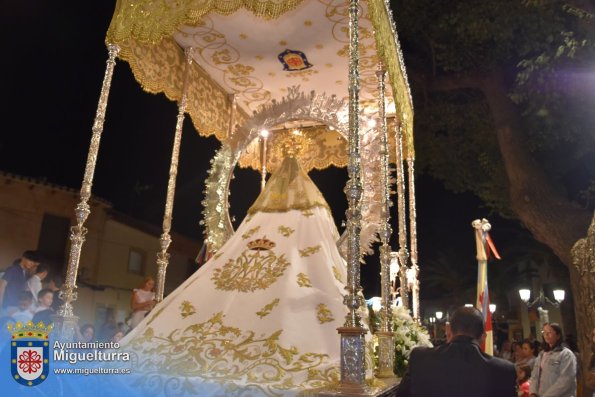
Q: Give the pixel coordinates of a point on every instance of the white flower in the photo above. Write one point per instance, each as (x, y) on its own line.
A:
(407, 334)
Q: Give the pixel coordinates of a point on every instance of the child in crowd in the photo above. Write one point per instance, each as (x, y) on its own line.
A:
(34, 282)
(44, 311)
(523, 374)
(25, 311)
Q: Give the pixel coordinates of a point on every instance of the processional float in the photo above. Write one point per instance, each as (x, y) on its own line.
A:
(229, 64)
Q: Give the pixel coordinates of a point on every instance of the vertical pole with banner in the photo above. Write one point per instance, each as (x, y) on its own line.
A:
(484, 246)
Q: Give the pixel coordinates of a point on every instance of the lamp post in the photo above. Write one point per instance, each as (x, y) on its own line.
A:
(541, 300)
(494, 333)
(433, 322)
(439, 316)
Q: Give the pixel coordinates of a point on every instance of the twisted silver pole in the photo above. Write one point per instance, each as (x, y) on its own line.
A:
(263, 161)
(414, 271)
(65, 321)
(401, 211)
(165, 239)
(386, 348)
(352, 333)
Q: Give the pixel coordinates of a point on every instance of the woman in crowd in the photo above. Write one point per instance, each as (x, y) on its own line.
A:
(526, 354)
(554, 373)
(143, 300)
(117, 336)
(86, 333)
(516, 352)
(506, 350)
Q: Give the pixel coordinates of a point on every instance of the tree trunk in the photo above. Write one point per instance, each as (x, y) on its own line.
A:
(583, 255)
(551, 218)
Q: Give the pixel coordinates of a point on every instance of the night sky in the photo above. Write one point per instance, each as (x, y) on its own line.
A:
(51, 72)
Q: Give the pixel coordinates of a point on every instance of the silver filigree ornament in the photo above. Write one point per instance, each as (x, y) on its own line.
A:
(65, 321)
(295, 106)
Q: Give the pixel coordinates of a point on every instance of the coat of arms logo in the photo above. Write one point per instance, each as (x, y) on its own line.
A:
(29, 352)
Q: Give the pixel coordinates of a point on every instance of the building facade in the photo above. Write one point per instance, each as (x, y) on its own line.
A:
(118, 253)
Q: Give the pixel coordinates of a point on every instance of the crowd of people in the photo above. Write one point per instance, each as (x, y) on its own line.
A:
(29, 292)
(550, 368)
(524, 369)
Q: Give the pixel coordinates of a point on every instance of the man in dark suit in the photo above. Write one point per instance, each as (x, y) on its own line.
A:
(459, 368)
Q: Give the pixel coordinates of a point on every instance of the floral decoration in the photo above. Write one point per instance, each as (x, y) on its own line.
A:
(408, 334)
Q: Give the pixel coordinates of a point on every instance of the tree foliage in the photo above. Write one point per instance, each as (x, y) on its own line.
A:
(504, 92)
(546, 55)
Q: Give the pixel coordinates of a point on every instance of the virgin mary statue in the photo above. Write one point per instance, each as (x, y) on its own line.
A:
(261, 317)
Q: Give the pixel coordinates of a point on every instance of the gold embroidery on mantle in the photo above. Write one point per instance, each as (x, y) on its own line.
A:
(250, 232)
(307, 213)
(187, 309)
(323, 314)
(337, 274)
(214, 351)
(267, 309)
(289, 188)
(309, 251)
(286, 231)
(303, 280)
(256, 268)
(217, 255)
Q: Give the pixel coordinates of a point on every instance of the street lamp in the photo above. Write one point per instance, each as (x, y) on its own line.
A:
(525, 295)
(541, 300)
(433, 322)
(492, 311)
(439, 316)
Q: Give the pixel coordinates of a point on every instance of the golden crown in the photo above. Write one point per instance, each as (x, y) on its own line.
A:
(261, 244)
(29, 330)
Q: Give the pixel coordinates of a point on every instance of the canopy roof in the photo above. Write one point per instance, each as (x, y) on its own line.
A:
(255, 49)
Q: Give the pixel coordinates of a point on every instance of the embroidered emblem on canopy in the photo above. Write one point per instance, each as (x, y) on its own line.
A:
(294, 60)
